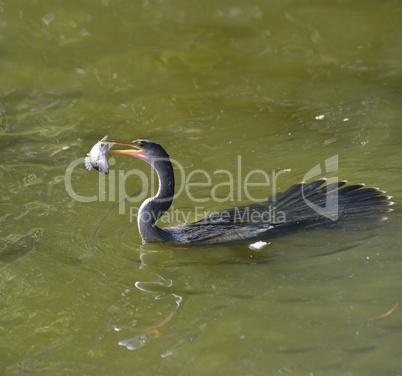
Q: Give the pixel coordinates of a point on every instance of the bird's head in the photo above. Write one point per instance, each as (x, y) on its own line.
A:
(148, 151)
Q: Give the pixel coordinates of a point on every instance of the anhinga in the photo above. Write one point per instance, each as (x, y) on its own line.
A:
(298, 207)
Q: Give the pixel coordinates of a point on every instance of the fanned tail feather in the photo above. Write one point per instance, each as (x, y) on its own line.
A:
(309, 202)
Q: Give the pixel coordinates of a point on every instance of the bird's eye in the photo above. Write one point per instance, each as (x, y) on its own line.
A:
(141, 144)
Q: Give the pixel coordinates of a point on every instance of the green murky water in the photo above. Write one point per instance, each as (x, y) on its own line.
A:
(275, 84)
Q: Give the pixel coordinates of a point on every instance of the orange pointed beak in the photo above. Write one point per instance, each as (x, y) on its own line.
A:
(137, 150)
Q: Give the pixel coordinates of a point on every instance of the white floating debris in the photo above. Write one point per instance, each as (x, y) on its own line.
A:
(319, 117)
(258, 245)
(133, 343)
(48, 18)
(329, 141)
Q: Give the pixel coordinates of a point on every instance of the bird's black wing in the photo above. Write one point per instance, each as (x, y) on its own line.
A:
(301, 207)
(306, 202)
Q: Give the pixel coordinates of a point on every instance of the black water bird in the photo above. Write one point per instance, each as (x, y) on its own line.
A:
(302, 206)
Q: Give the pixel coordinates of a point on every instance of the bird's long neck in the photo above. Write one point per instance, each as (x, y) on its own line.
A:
(153, 208)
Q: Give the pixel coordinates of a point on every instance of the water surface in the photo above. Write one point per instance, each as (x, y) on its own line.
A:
(276, 85)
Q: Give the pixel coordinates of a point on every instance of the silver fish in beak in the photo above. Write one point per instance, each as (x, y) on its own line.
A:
(97, 157)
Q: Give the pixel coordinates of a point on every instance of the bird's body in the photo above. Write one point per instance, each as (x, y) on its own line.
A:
(286, 213)
(301, 207)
